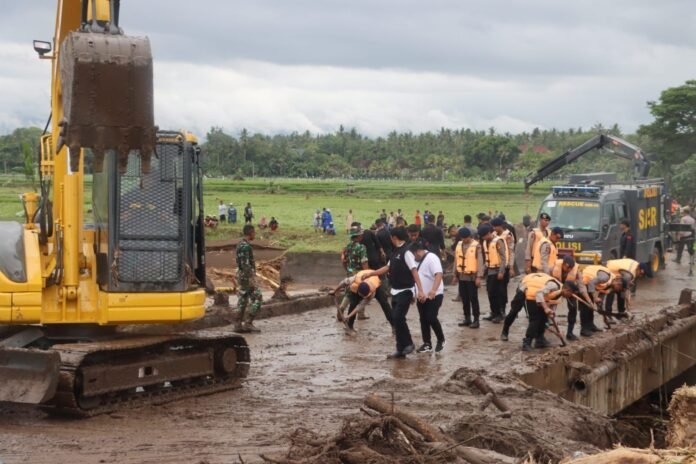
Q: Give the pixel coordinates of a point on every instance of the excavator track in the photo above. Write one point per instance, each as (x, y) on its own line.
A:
(106, 376)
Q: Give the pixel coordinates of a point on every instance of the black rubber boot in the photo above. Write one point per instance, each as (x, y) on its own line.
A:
(475, 325)
(569, 333)
(527, 344)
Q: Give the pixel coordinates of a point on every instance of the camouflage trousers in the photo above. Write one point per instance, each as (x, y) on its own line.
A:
(246, 296)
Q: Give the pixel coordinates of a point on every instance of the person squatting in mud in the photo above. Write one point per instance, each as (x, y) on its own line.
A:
(628, 271)
(540, 294)
(354, 259)
(430, 272)
(249, 297)
(361, 290)
(402, 275)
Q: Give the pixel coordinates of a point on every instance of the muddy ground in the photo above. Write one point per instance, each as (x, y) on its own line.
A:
(306, 372)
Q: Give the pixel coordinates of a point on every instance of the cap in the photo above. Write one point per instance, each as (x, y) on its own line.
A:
(557, 231)
(569, 261)
(686, 209)
(501, 216)
(464, 232)
(363, 289)
(545, 216)
(646, 268)
(497, 222)
(418, 245)
(484, 230)
(571, 285)
(355, 232)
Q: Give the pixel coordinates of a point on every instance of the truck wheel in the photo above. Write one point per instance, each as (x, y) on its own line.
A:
(656, 260)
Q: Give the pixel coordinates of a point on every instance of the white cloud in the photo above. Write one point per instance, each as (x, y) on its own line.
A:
(278, 66)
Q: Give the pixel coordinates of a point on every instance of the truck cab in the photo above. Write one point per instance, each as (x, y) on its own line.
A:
(590, 213)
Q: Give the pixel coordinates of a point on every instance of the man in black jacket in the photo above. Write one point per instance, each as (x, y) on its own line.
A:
(433, 237)
(384, 238)
(374, 249)
(403, 277)
(627, 244)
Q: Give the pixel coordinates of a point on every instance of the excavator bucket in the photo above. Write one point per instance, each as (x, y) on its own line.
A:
(28, 376)
(106, 83)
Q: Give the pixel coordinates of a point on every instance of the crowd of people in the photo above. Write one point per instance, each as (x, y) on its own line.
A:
(407, 262)
(398, 264)
(227, 214)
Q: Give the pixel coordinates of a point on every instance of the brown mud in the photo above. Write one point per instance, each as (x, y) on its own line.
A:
(307, 373)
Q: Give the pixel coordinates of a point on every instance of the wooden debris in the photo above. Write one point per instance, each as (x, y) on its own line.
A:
(484, 388)
(267, 273)
(429, 432)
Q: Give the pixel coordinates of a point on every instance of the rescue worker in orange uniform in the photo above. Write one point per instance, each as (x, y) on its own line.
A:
(567, 270)
(600, 282)
(497, 255)
(629, 270)
(505, 235)
(535, 235)
(469, 266)
(540, 293)
(545, 251)
(362, 290)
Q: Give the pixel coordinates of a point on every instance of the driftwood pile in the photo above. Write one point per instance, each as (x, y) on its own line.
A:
(224, 281)
(387, 434)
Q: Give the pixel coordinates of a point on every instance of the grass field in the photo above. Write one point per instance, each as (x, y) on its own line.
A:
(293, 203)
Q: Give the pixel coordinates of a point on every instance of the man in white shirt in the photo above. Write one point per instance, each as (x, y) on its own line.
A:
(222, 211)
(430, 273)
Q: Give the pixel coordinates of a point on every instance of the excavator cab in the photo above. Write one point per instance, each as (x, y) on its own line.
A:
(148, 222)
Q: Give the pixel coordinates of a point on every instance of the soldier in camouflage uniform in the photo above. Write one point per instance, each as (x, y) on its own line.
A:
(246, 279)
(354, 261)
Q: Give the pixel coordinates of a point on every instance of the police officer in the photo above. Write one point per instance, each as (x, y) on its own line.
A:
(629, 270)
(541, 294)
(534, 236)
(545, 251)
(567, 270)
(600, 282)
(469, 266)
(496, 255)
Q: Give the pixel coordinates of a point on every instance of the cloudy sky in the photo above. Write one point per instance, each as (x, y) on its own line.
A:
(380, 65)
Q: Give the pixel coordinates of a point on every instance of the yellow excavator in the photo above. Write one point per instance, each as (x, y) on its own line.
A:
(66, 285)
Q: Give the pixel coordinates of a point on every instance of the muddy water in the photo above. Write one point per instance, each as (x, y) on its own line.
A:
(306, 373)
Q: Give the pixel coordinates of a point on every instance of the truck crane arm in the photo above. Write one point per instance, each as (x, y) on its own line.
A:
(610, 143)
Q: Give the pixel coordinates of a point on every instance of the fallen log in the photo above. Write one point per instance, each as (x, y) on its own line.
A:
(432, 434)
(486, 389)
(429, 432)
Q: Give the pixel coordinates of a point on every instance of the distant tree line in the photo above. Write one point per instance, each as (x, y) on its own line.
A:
(448, 154)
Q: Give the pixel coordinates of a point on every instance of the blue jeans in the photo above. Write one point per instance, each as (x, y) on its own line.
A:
(400, 306)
